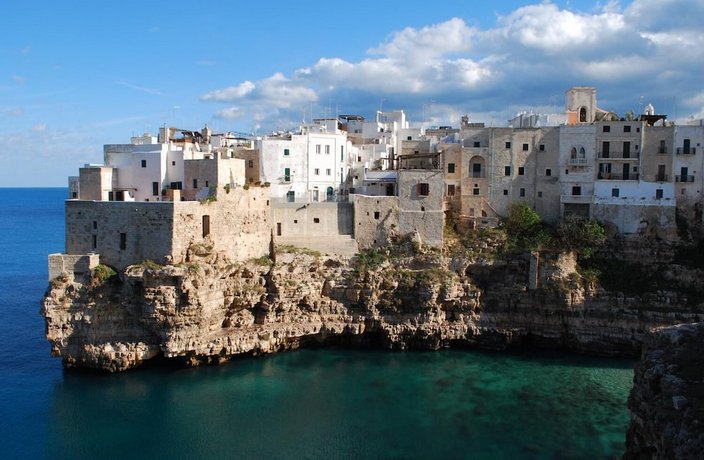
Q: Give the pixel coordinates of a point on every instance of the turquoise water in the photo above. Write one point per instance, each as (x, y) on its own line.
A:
(328, 403)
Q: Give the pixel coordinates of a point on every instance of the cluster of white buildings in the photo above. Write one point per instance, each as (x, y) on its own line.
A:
(637, 174)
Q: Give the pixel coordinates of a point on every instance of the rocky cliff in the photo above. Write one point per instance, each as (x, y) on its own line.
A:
(667, 399)
(209, 310)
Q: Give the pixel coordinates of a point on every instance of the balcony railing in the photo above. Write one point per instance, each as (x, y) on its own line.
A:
(684, 178)
(577, 162)
(611, 176)
(662, 178)
(686, 151)
(576, 198)
(619, 155)
(662, 150)
(477, 175)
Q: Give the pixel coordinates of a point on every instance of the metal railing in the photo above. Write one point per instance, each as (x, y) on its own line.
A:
(684, 178)
(612, 176)
(577, 162)
(619, 155)
(686, 151)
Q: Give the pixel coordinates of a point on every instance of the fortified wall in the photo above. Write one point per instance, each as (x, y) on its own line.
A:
(124, 233)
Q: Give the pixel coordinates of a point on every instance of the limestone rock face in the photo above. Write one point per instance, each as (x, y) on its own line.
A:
(667, 399)
(208, 310)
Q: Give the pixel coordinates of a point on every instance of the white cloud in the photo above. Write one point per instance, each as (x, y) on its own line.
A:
(529, 58)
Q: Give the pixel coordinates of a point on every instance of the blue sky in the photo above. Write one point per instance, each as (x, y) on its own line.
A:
(76, 75)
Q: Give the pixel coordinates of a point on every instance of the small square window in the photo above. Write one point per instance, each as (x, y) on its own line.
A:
(250, 163)
(626, 128)
(522, 192)
(409, 138)
(507, 170)
(525, 147)
(505, 191)
(541, 147)
(376, 215)
(540, 194)
(173, 163)
(606, 128)
(451, 190)
(423, 189)
(316, 220)
(144, 163)
(476, 144)
(295, 221)
(615, 192)
(576, 191)
(451, 168)
(475, 191)
(548, 172)
(521, 170)
(286, 152)
(508, 145)
(658, 194)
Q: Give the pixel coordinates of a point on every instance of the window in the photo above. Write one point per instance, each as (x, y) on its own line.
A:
(423, 189)
(505, 191)
(316, 220)
(522, 192)
(541, 147)
(475, 191)
(316, 171)
(576, 190)
(376, 215)
(94, 242)
(507, 170)
(173, 163)
(195, 183)
(290, 196)
(206, 226)
(476, 144)
(663, 146)
(327, 149)
(521, 170)
(548, 172)
(451, 168)
(342, 153)
(287, 174)
(606, 128)
(95, 225)
(540, 194)
(155, 188)
(295, 221)
(328, 171)
(206, 183)
(525, 147)
(451, 190)
(317, 148)
(286, 152)
(615, 192)
(658, 194)
(359, 158)
(250, 163)
(144, 163)
(409, 138)
(626, 128)
(508, 145)
(176, 185)
(123, 241)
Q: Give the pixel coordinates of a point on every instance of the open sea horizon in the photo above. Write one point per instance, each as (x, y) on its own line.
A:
(316, 403)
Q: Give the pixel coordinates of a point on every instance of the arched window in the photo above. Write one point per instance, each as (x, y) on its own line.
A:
(582, 153)
(583, 115)
(573, 153)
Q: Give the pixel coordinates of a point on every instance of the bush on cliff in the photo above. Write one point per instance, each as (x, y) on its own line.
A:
(524, 229)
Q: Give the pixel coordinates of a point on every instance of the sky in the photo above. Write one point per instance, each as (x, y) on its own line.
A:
(76, 75)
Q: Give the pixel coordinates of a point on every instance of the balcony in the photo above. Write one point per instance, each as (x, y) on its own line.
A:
(477, 175)
(610, 176)
(662, 150)
(577, 162)
(619, 155)
(686, 151)
(685, 178)
(662, 178)
(577, 199)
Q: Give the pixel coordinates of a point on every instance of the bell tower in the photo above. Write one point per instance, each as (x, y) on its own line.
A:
(580, 104)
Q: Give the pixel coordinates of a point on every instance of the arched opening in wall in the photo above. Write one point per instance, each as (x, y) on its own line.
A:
(330, 192)
(476, 167)
(583, 115)
(206, 225)
(582, 153)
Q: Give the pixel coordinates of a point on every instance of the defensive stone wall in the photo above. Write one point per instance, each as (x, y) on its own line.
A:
(313, 220)
(73, 264)
(376, 218)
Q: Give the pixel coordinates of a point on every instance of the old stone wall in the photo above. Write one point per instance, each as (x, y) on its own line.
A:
(73, 265)
(376, 219)
(123, 233)
(420, 213)
(236, 224)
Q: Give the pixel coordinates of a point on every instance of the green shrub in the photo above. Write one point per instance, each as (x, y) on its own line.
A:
(102, 273)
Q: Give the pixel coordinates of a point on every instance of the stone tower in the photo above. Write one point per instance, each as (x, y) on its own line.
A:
(580, 104)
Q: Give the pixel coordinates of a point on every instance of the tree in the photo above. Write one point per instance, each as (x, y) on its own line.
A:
(580, 235)
(524, 228)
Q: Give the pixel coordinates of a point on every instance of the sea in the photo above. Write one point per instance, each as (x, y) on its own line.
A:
(311, 404)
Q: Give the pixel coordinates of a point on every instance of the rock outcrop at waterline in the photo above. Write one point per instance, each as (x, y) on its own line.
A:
(209, 310)
(667, 399)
